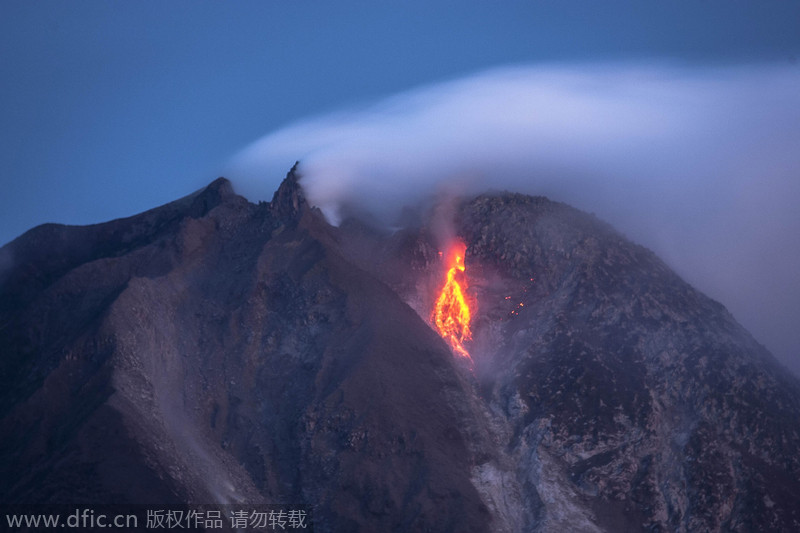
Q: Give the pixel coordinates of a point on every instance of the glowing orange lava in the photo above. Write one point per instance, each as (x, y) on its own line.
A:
(451, 314)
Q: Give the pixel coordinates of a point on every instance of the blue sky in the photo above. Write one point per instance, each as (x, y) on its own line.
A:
(110, 108)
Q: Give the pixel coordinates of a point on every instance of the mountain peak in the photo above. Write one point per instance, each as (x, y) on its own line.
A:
(289, 201)
(221, 186)
(200, 202)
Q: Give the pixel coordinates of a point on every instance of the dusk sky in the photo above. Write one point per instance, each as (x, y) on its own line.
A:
(110, 108)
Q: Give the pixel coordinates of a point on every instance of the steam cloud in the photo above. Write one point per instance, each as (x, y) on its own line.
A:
(700, 165)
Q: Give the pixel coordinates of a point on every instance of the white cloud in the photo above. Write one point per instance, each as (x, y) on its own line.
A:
(701, 165)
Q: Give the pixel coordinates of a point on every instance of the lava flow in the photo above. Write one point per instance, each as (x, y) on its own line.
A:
(451, 314)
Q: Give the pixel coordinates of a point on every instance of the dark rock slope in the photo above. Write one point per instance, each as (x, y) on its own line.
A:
(213, 350)
(634, 401)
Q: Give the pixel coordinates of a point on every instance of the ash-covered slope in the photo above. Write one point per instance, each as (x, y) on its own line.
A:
(635, 401)
(228, 354)
(622, 398)
(213, 350)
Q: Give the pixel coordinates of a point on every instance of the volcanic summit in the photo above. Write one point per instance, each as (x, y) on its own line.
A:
(216, 350)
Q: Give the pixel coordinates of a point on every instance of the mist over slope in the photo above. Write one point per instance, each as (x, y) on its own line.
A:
(699, 164)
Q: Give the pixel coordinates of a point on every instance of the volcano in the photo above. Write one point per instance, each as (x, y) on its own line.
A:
(216, 350)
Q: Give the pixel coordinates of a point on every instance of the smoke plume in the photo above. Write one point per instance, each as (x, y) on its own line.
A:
(702, 165)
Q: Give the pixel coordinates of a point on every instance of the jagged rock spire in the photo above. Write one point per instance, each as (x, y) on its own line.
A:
(289, 202)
